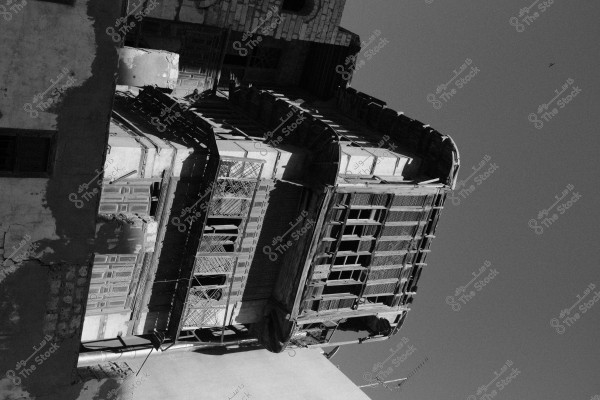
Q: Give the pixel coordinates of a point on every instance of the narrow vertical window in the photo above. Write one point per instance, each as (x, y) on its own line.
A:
(300, 7)
(294, 6)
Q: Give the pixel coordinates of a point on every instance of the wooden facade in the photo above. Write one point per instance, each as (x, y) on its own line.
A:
(287, 205)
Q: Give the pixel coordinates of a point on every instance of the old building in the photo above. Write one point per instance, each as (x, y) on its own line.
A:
(273, 42)
(268, 204)
(230, 191)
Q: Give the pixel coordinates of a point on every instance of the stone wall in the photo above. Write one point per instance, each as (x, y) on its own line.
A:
(319, 24)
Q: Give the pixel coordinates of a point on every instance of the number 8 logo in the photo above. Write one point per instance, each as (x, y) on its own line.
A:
(10, 374)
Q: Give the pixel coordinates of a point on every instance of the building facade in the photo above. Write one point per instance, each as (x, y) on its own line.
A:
(232, 190)
(267, 205)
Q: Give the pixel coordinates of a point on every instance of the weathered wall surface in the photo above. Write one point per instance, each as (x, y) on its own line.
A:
(300, 375)
(143, 67)
(62, 53)
(318, 24)
(440, 158)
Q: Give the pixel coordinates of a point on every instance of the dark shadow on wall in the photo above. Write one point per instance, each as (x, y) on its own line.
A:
(282, 212)
(44, 305)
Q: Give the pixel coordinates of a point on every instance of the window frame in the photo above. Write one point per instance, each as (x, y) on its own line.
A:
(306, 9)
(18, 133)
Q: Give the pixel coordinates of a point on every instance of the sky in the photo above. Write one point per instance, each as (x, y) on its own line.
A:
(528, 207)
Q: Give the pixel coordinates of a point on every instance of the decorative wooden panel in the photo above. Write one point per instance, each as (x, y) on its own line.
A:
(111, 280)
(125, 198)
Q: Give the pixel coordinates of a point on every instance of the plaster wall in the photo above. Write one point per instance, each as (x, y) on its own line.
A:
(61, 53)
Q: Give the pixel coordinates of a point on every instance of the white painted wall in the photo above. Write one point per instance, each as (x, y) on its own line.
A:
(262, 375)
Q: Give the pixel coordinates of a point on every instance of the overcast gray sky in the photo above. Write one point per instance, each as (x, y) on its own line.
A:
(538, 275)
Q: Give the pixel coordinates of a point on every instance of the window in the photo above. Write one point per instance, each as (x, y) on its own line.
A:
(210, 280)
(301, 7)
(154, 198)
(26, 153)
(265, 57)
